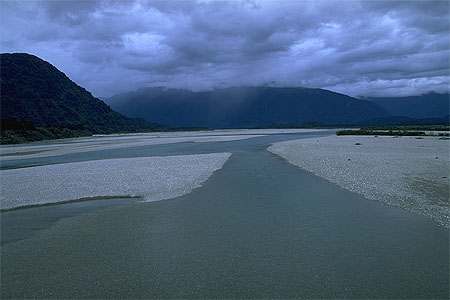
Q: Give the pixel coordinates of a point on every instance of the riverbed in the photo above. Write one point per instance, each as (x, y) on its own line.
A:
(258, 227)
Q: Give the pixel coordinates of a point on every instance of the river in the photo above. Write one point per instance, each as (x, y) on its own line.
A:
(257, 228)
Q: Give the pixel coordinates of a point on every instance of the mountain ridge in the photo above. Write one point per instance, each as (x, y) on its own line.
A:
(37, 93)
(429, 105)
(237, 107)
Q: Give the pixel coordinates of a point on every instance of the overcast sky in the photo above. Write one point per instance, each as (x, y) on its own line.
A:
(360, 48)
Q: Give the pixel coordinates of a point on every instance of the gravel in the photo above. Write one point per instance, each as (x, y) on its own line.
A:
(152, 178)
(81, 145)
(114, 141)
(405, 172)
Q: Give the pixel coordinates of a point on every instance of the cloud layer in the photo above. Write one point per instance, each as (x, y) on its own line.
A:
(361, 48)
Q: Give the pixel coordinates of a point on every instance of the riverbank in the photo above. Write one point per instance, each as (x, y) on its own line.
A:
(405, 172)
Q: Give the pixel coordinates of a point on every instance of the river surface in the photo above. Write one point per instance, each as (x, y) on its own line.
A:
(258, 228)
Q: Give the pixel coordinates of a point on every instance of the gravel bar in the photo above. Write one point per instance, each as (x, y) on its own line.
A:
(152, 178)
(407, 172)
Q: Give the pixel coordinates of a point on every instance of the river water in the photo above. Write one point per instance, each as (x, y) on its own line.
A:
(258, 228)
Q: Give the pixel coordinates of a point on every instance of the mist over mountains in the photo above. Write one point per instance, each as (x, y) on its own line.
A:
(431, 105)
(245, 107)
(41, 102)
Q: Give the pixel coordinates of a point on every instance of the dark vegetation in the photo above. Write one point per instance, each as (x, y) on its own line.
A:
(422, 130)
(405, 121)
(414, 127)
(15, 131)
(268, 107)
(431, 105)
(382, 124)
(246, 107)
(40, 102)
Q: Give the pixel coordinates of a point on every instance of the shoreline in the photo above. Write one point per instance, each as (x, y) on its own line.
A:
(150, 178)
(85, 199)
(402, 172)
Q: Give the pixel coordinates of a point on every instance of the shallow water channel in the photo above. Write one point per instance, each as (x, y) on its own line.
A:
(258, 228)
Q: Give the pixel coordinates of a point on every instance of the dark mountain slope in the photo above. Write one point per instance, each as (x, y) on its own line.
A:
(405, 121)
(245, 107)
(34, 90)
(430, 105)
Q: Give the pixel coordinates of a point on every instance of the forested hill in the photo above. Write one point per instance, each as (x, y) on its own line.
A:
(431, 105)
(245, 107)
(33, 90)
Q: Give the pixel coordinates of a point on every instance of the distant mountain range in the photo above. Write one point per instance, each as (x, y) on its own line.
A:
(430, 105)
(40, 102)
(245, 107)
(35, 94)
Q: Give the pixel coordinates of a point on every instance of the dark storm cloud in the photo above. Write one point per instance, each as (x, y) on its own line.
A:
(355, 47)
